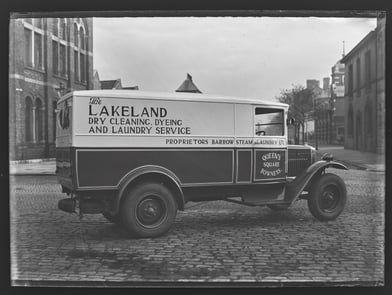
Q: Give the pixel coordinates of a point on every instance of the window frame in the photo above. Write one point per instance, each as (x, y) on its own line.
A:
(271, 110)
(34, 30)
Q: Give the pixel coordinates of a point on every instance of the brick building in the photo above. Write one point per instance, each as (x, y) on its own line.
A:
(48, 57)
(365, 92)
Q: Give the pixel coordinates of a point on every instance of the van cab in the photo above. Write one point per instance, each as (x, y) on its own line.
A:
(138, 157)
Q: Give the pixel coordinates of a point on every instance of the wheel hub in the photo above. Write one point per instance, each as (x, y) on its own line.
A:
(330, 199)
(150, 211)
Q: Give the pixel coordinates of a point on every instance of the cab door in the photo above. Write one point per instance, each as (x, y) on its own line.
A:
(269, 145)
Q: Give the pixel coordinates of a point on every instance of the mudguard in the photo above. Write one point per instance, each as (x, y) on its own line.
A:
(295, 188)
(145, 171)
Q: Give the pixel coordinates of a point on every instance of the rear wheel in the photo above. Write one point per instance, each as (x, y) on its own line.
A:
(148, 210)
(327, 197)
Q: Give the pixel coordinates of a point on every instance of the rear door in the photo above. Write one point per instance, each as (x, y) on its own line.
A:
(64, 142)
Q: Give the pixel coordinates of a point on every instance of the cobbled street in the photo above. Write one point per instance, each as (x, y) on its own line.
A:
(209, 242)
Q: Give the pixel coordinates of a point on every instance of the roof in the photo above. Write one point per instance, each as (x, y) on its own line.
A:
(188, 86)
(176, 96)
(358, 46)
(109, 84)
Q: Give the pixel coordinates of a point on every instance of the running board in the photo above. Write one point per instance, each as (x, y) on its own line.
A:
(253, 204)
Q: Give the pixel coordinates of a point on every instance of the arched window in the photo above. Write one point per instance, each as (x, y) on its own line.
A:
(29, 122)
(350, 121)
(76, 35)
(80, 51)
(76, 52)
(82, 56)
(59, 49)
(39, 120)
(82, 40)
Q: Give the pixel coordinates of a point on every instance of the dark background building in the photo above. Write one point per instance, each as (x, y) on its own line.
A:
(48, 58)
(365, 92)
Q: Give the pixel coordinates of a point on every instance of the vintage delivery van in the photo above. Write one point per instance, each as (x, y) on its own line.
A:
(138, 157)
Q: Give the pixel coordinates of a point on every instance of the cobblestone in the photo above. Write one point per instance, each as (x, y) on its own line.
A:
(209, 242)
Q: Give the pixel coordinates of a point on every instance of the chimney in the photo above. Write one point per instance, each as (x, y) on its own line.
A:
(326, 83)
(312, 84)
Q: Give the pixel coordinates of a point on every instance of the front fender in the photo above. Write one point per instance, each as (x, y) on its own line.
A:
(295, 188)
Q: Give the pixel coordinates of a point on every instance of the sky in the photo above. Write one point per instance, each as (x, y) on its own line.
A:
(254, 57)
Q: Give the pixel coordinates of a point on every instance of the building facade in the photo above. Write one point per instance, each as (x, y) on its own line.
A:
(48, 57)
(337, 103)
(322, 112)
(365, 93)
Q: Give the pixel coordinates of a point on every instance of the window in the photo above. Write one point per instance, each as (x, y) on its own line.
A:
(38, 50)
(63, 60)
(28, 47)
(341, 131)
(38, 23)
(39, 119)
(63, 29)
(82, 67)
(350, 121)
(76, 35)
(55, 57)
(80, 52)
(56, 26)
(358, 76)
(269, 122)
(367, 70)
(350, 79)
(82, 41)
(76, 65)
(34, 44)
(29, 123)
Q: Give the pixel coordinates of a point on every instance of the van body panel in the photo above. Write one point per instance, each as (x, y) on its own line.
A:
(205, 141)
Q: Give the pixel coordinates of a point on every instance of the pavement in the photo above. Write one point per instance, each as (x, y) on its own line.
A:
(213, 242)
(353, 158)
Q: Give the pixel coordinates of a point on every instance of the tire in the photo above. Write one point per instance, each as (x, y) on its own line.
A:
(278, 207)
(148, 210)
(113, 219)
(327, 197)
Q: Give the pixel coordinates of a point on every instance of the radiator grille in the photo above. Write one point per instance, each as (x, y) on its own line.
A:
(299, 160)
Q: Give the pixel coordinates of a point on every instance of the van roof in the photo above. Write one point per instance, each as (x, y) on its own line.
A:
(178, 96)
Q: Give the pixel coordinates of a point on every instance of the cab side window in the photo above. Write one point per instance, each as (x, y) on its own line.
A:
(268, 122)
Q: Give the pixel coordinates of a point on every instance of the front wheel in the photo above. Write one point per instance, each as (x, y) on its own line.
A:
(148, 210)
(327, 197)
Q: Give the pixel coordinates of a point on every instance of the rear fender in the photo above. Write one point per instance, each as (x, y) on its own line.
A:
(148, 173)
(295, 188)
